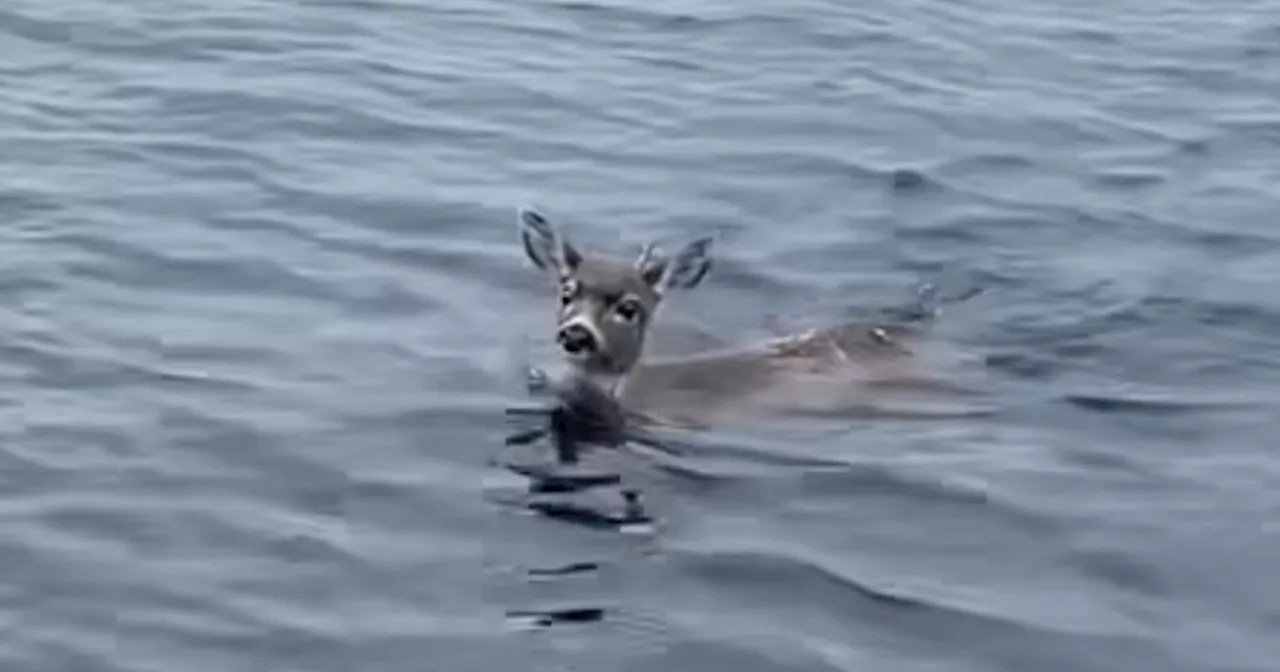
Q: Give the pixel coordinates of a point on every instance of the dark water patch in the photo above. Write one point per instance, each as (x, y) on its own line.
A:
(37, 29)
(668, 63)
(1129, 404)
(1261, 44)
(627, 519)
(1024, 365)
(566, 570)
(22, 203)
(549, 617)
(655, 19)
(1080, 32)
(1098, 459)
(545, 480)
(1242, 243)
(1005, 163)
(907, 180)
(1167, 310)
(1130, 180)
(1123, 571)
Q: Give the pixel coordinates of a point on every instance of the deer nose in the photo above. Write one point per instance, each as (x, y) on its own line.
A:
(576, 339)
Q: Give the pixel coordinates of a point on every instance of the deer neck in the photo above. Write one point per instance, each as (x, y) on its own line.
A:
(610, 383)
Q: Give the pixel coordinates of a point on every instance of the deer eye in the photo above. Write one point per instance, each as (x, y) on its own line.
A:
(628, 309)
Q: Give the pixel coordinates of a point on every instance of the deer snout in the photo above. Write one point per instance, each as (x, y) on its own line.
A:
(576, 339)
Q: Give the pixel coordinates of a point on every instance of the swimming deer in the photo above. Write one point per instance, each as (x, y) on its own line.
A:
(606, 307)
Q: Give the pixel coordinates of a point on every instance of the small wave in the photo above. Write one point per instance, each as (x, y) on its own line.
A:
(651, 18)
(1117, 403)
(815, 598)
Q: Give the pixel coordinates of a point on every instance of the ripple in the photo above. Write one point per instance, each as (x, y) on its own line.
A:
(1134, 404)
(656, 19)
(885, 613)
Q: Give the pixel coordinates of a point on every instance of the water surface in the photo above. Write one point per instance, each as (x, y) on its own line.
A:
(261, 289)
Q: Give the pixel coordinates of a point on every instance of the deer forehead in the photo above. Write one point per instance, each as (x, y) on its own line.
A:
(603, 277)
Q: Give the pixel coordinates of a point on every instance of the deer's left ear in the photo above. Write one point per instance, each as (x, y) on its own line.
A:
(685, 270)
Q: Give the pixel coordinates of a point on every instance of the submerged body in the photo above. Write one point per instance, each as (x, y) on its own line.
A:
(819, 371)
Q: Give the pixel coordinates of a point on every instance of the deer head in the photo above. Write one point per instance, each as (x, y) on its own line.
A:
(605, 305)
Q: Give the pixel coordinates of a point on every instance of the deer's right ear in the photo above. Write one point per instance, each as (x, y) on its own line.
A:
(683, 271)
(543, 243)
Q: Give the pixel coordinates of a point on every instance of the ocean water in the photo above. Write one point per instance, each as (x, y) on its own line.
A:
(261, 295)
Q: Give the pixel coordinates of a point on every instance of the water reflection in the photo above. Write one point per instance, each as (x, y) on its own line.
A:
(578, 416)
(537, 618)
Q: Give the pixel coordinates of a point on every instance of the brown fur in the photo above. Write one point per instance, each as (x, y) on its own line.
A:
(840, 370)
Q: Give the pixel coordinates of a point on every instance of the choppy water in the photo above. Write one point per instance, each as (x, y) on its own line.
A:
(260, 286)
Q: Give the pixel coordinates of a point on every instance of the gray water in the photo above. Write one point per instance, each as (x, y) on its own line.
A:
(261, 292)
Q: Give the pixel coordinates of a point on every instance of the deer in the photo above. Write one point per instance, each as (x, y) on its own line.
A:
(607, 305)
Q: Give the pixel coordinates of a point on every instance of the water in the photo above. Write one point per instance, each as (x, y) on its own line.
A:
(261, 291)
